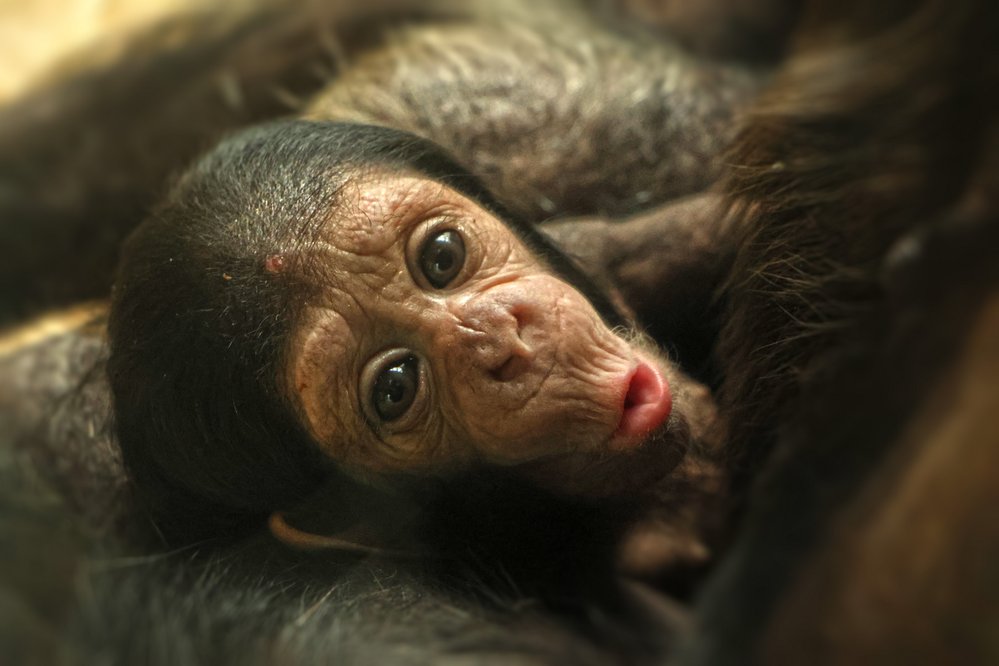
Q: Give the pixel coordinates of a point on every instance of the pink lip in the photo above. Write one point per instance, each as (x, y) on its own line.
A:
(647, 404)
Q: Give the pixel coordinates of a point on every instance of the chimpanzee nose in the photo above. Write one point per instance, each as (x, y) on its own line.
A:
(490, 328)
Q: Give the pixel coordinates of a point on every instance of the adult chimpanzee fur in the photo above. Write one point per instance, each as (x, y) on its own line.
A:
(864, 193)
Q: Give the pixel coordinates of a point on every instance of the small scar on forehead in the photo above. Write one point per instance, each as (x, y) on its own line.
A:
(275, 263)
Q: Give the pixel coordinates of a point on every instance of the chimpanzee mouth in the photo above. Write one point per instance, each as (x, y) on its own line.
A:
(647, 404)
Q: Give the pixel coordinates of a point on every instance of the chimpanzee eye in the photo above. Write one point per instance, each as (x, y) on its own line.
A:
(395, 388)
(442, 258)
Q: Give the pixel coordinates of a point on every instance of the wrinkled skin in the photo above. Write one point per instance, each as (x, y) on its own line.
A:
(514, 364)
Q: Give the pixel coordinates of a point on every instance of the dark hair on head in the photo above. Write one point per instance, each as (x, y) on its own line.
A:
(200, 327)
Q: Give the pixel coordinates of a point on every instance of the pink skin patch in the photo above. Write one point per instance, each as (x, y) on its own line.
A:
(647, 405)
(274, 263)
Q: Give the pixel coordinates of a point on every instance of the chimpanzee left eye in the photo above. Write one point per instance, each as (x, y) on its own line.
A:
(395, 389)
(442, 258)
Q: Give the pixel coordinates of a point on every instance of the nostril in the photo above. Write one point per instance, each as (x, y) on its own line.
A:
(520, 316)
(511, 368)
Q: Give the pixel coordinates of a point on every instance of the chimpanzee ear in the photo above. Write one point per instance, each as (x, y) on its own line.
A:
(351, 519)
(357, 539)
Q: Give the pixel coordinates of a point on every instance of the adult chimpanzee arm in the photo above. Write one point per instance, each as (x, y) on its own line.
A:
(593, 122)
(562, 115)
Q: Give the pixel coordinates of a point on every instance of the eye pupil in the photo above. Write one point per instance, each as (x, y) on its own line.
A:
(396, 388)
(443, 263)
(442, 257)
